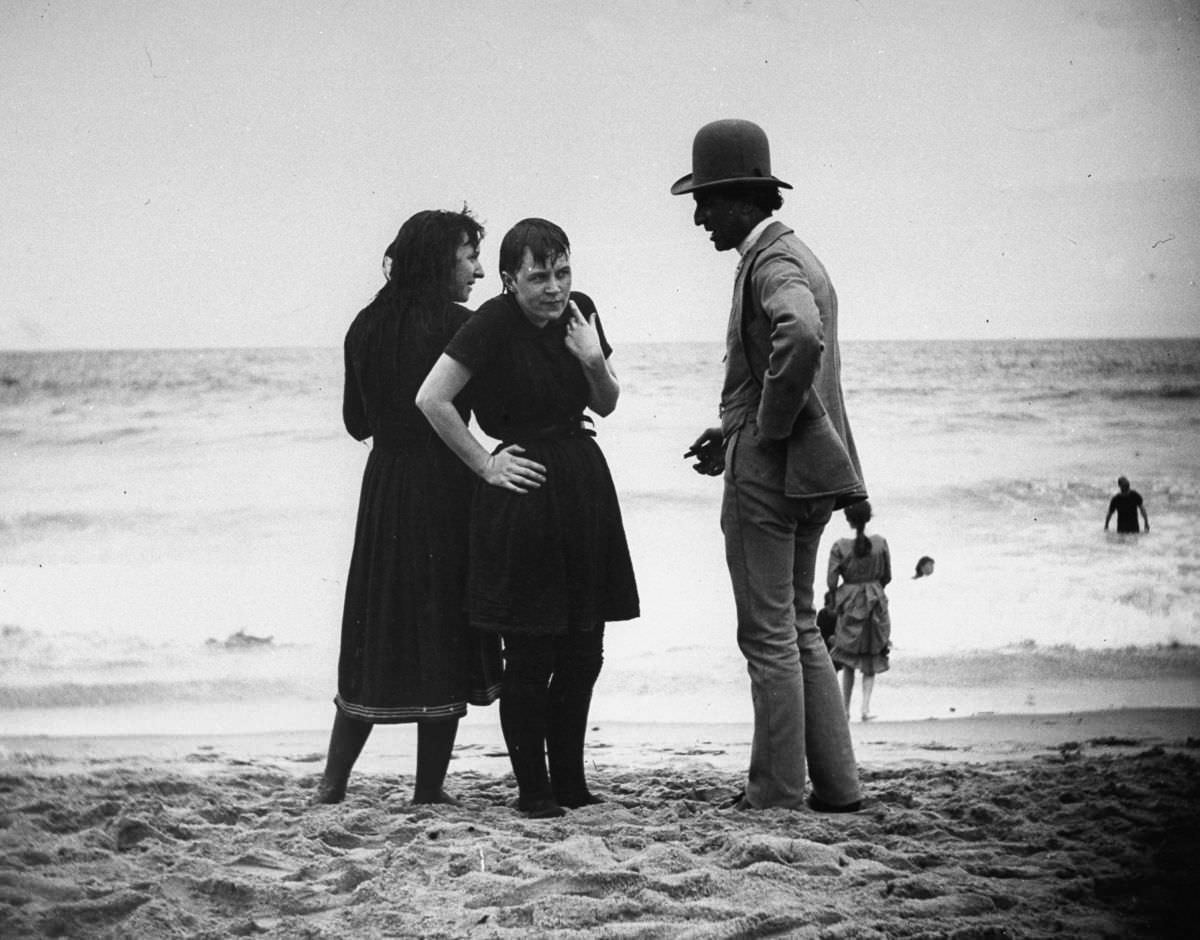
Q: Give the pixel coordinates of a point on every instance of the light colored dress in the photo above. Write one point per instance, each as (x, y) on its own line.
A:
(864, 627)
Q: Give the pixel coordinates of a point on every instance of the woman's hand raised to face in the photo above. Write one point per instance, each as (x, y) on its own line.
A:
(508, 470)
(583, 339)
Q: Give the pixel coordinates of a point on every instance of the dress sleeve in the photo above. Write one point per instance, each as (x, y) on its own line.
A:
(354, 415)
(603, 339)
(886, 576)
(476, 342)
(835, 565)
(588, 307)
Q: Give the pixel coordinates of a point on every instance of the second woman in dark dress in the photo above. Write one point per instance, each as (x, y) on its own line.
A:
(549, 563)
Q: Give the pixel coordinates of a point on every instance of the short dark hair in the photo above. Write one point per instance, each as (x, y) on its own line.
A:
(545, 241)
(423, 251)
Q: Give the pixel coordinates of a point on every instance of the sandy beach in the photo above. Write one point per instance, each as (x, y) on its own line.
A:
(1071, 825)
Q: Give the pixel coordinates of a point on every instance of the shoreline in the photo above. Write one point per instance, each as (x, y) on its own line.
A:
(480, 748)
(270, 689)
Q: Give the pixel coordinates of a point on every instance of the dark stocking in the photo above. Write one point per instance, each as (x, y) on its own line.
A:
(435, 742)
(345, 744)
(570, 697)
(528, 661)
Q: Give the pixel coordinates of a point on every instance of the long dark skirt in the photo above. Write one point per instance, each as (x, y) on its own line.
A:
(554, 558)
(407, 652)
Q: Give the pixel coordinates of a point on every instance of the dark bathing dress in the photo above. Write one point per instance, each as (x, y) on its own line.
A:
(407, 652)
(554, 559)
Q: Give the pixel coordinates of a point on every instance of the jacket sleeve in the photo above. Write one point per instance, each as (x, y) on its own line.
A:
(781, 288)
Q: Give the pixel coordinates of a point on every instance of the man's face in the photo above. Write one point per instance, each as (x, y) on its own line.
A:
(542, 289)
(723, 217)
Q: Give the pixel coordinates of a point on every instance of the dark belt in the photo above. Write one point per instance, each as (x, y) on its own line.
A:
(580, 427)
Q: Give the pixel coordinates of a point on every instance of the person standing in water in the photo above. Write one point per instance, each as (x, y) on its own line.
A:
(862, 640)
(1126, 504)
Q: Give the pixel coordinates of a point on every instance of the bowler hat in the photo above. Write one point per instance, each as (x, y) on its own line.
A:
(727, 152)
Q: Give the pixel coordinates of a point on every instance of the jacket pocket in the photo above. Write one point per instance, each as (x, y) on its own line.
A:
(818, 463)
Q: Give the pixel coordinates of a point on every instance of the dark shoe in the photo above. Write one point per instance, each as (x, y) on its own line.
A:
(587, 798)
(818, 805)
(739, 802)
(540, 809)
(441, 798)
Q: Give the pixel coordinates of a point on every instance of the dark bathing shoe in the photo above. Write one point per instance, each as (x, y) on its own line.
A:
(540, 809)
(818, 805)
(587, 798)
(440, 798)
(327, 793)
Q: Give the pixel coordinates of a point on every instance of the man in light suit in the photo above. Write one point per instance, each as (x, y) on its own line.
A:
(789, 461)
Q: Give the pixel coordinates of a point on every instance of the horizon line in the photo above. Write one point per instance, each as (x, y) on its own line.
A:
(632, 342)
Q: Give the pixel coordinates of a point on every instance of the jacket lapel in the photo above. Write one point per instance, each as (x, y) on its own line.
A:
(772, 232)
(736, 339)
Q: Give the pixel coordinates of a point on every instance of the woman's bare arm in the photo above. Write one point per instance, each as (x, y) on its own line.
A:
(506, 468)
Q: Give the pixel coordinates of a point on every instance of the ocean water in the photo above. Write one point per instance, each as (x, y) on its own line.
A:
(175, 528)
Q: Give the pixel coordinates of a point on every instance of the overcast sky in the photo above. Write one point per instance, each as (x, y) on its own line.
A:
(228, 174)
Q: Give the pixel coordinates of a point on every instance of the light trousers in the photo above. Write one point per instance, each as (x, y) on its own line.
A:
(771, 545)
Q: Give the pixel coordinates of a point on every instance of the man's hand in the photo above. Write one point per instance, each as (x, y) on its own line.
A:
(709, 451)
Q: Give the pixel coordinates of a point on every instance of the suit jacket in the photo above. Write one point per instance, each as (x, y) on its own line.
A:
(783, 366)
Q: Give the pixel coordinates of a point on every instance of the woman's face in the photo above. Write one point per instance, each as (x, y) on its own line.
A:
(467, 270)
(541, 290)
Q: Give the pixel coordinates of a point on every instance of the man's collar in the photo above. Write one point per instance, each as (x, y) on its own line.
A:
(754, 235)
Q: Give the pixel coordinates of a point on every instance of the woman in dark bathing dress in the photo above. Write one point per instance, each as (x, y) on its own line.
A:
(407, 652)
(549, 563)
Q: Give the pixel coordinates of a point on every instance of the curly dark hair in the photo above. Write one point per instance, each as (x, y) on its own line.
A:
(422, 257)
(761, 195)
